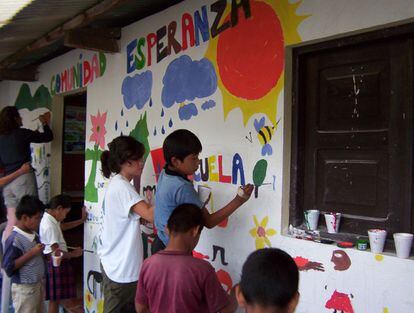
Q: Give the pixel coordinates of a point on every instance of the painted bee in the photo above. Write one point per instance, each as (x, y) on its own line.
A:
(264, 134)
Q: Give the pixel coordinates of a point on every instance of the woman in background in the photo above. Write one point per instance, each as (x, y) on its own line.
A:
(14, 152)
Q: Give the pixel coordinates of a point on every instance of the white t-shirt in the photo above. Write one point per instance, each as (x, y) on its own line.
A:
(51, 233)
(121, 250)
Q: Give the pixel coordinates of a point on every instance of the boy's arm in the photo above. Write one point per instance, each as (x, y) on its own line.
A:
(141, 299)
(216, 297)
(232, 306)
(213, 219)
(25, 168)
(14, 259)
(37, 249)
(73, 224)
(77, 252)
(140, 308)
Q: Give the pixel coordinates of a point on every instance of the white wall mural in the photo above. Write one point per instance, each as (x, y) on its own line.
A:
(217, 68)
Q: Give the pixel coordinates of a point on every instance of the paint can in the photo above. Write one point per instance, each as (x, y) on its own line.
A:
(362, 244)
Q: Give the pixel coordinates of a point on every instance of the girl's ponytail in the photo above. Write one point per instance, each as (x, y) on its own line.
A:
(106, 170)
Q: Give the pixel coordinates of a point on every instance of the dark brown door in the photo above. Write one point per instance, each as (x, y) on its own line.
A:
(357, 104)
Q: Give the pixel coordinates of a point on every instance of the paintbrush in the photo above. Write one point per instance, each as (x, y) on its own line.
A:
(85, 250)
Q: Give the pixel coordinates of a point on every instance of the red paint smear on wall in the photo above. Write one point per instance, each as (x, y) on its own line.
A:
(300, 262)
(340, 302)
(223, 223)
(250, 56)
(199, 255)
(225, 279)
(158, 161)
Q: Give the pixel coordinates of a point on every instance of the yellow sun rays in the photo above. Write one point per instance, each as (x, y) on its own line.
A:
(267, 105)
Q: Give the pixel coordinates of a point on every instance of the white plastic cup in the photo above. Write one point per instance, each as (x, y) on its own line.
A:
(311, 219)
(56, 259)
(332, 222)
(377, 239)
(204, 193)
(403, 242)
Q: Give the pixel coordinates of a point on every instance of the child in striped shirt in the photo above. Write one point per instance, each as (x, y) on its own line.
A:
(23, 259)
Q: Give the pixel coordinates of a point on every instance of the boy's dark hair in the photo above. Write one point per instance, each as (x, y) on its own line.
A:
(8, 116)
(269, 278)
(179, 144)
(62, 200)
(185, 217)
(30, 206)
(121, 149)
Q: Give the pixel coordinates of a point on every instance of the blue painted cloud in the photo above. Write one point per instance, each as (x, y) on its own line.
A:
(208, 105)
(137, 90)
(187, 111)
(186, 79)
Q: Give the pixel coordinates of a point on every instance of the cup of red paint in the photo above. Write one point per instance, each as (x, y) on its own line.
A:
(377, 239)
(332, 222)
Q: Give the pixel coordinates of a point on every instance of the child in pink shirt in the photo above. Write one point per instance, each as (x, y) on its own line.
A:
(173, 280)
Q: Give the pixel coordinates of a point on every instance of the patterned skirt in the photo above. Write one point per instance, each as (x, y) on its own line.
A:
(60, 281)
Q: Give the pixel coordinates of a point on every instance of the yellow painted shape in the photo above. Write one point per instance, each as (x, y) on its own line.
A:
(379, 257)
(212, 168)
(100, 306)
(260, 233)
(385, 310)
(267, 105)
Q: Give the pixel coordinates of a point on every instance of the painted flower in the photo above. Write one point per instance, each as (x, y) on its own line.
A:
(88, 300)
(261, 234)
(98, 129)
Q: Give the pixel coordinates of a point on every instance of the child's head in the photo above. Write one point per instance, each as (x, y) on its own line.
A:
(187, 222)
(9, 119)
(124, 153)
(181, 149)
(269, 282)
(59, 206)
(29, 212)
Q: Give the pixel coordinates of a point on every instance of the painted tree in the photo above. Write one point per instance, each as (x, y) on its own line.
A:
(94, 155)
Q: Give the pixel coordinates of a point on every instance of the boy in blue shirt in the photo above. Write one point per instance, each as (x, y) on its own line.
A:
(181, 149)
(23, 258)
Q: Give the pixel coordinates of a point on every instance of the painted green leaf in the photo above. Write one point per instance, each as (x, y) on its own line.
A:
(89, 154)
(140, 133)
(259, 172)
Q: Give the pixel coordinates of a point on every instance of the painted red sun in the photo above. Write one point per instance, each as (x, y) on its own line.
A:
(250, 55)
